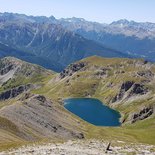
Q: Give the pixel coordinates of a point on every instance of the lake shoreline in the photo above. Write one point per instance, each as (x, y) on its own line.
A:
(94, 106)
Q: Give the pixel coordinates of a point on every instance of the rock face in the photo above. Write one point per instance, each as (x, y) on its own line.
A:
(129, 89)
(15, 92)
(138, 89)
(5, 70)
(127, 85)
(124, 88)
(40, 116)
(142, 114)
(14, 71)
(147, 73)
(71, 69)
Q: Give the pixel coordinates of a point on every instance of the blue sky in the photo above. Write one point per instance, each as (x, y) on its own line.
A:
(104, 11)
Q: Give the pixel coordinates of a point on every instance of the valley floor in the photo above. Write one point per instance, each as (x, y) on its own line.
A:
(83, 147)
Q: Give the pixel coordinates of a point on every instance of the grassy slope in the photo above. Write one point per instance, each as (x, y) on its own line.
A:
(26, 73)
(9, 133)
(84, 82)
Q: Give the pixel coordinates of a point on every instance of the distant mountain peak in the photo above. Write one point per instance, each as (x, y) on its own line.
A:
(52, 17)
(73, 19)
(54, 43)
(120, 22)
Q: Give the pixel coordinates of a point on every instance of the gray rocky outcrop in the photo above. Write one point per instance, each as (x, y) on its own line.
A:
(6, 69)
(142, 114)
(78, 135)
(138, 89)
(72, 69)
(102, 72)
(146, 74)
(15, 91)
(129, 89)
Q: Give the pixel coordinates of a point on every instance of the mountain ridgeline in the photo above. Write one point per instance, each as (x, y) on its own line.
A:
(130, 37)
(39, 40)
(27, 116)
(71, 39)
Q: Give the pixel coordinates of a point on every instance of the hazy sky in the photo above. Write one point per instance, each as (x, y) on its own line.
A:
(104, 11)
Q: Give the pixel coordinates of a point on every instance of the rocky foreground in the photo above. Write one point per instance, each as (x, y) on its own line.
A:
(83, 147)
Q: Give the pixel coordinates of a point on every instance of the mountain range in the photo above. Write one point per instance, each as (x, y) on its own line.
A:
(44, 60)
(130, 37)
(48, 41)
(59, 42)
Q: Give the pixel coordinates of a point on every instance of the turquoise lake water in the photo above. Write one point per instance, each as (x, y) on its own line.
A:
(93, 111)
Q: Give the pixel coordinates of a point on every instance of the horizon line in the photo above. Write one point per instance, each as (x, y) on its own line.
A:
(76, 17)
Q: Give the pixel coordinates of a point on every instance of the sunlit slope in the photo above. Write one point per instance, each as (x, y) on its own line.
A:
(123, 84)
(25, 116)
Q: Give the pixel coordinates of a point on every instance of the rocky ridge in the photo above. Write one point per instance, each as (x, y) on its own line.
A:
(41, 116)
(27, 116)
(14, 72)
(71, 69)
